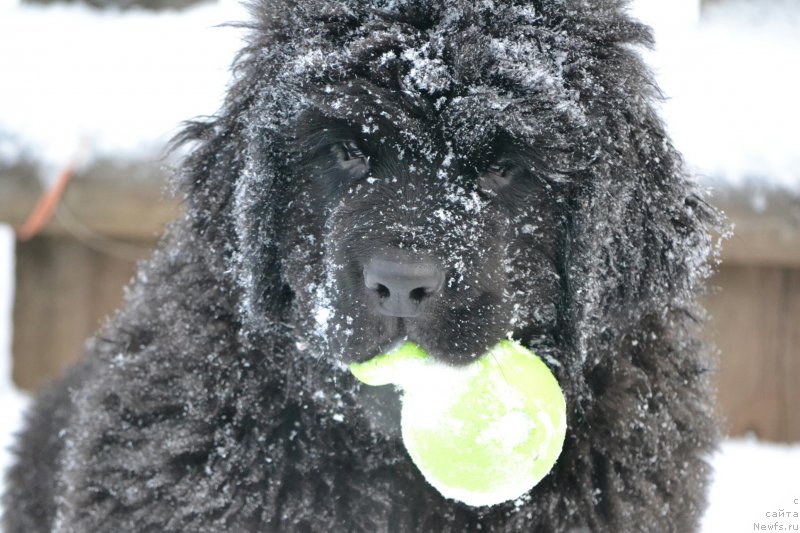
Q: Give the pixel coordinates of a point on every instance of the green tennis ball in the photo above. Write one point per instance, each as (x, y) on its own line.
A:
(483, 433)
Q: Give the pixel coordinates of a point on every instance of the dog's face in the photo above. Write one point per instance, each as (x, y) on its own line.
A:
(390, 238)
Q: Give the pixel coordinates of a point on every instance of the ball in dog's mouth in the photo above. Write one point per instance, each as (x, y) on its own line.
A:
(482, 433)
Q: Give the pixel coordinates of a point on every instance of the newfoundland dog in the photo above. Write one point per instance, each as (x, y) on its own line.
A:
(452, 173)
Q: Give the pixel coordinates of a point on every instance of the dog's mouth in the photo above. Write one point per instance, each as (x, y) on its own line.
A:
(417, 332)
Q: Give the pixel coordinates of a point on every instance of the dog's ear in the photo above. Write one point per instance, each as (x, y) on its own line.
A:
(258, 199)
(230, 191)
(640, 240)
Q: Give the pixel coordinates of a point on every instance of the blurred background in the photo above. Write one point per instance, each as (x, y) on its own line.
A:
(93, 89)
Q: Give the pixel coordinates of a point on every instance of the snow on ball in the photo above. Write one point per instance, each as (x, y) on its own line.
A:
(483, 433)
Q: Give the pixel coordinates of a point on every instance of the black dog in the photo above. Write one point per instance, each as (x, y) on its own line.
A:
(453, 173)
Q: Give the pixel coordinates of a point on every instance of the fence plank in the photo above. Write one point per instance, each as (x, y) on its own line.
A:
(64, 290)
(754, 319)
(791, 356)
(766, 227)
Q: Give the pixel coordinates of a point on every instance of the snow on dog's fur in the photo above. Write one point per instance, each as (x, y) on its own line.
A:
(511, 148)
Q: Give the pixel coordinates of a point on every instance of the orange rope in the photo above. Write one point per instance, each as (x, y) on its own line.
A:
(48, 202)
(46, 205)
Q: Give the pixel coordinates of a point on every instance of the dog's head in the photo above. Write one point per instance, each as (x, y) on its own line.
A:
(448, 172)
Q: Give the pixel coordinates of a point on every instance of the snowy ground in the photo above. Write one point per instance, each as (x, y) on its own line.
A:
(755, 482)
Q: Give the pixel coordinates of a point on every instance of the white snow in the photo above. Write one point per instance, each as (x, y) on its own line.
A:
(752, 481)
(120, 83)
(666, 17)
(731, 77)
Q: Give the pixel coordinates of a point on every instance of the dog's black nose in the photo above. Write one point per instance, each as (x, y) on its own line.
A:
(401, 285)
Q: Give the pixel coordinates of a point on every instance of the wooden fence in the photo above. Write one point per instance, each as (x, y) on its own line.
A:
(71, 276)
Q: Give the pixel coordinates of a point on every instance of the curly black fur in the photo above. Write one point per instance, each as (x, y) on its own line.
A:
(516, 144)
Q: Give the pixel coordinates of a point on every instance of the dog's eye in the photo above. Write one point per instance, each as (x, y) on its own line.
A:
(495, 178)
(350, 158)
